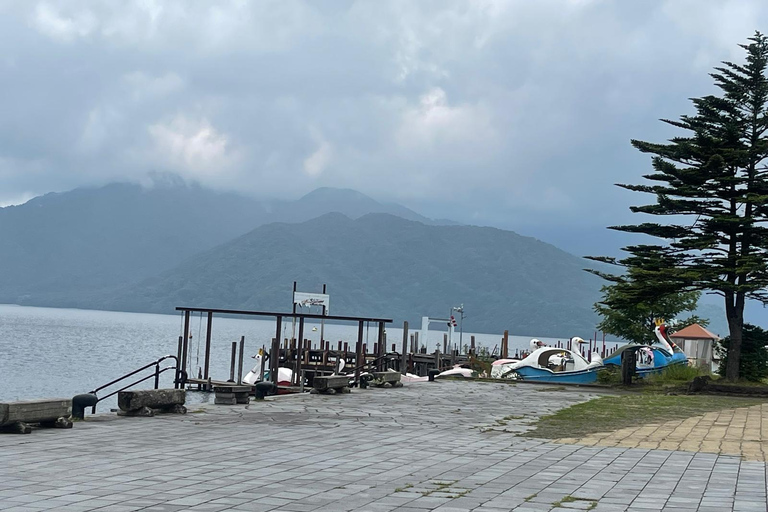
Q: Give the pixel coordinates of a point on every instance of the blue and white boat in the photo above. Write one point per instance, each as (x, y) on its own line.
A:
(652, 358)
(555, 365)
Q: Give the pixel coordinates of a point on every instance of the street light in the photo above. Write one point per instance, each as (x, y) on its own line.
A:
(460, 310)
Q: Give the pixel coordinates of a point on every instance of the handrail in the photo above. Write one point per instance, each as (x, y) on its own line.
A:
(137, 382)
(179, 380)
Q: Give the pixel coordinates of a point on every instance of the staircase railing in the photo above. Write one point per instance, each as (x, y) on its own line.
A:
(179, 380)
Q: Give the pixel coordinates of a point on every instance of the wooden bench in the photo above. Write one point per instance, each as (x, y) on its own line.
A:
(146, 402)
(387, 379)
(231, 394)
(330, 384)
(17, 416)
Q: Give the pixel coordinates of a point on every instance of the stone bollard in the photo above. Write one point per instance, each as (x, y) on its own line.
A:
(263, 389)
(80, 402)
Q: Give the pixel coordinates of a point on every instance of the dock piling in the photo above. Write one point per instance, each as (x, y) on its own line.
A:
(232, 362)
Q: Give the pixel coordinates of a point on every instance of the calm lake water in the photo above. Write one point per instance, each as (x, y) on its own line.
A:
(47, 352)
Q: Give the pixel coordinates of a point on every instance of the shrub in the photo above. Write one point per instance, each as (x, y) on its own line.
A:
(676, 374)
(753, 365)
(609, 375)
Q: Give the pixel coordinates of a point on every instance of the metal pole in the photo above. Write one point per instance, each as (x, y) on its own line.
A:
(322, 322)
(461, 329)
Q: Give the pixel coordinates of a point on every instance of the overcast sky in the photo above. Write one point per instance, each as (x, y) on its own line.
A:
(516, 114)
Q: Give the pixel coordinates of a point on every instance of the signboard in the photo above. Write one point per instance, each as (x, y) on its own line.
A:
(305, 300)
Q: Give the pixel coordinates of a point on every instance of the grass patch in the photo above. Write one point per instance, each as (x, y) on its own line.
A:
(440, 486)
(571, 499)
(404, 489)
(610, 413)
(675, 374)
(529, 498)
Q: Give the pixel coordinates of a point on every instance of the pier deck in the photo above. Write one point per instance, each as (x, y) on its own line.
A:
(425, 446)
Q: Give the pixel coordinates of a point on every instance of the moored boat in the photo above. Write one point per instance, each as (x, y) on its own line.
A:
(651, 358)
(555, 365)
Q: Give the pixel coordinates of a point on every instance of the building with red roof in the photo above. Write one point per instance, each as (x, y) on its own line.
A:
(699, 345)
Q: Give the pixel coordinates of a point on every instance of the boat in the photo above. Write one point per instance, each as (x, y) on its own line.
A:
(651, 358)
(501, 366)
(555, 365)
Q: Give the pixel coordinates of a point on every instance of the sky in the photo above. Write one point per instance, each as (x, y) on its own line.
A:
(515, 114)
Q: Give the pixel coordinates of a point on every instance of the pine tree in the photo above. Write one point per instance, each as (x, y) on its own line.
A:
(713, 185)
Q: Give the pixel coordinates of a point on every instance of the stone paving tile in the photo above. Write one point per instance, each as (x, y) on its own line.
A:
(426, 446)
(740, 431)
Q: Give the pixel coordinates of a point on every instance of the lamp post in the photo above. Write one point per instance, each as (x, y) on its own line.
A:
(460, 310)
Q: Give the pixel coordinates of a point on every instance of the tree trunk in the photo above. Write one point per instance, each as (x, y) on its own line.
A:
(734, 312)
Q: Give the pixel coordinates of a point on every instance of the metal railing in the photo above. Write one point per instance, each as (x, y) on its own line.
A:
(178, 382)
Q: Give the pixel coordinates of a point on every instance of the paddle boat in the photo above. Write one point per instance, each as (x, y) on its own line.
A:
(555, 365)
(654, 357)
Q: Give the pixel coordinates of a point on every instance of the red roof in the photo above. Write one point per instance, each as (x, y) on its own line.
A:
(694, 332)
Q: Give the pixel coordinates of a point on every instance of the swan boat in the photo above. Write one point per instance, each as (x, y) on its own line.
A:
(652, 358)
(554, 365)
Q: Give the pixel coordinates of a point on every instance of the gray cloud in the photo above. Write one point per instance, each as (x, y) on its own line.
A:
(516, 114)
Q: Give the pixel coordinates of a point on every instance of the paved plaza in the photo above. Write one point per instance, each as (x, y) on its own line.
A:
(446, 446)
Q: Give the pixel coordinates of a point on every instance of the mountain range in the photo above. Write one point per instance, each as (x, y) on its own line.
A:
(136, 248)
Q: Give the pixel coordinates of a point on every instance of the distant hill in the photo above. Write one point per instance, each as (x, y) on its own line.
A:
(67, 249)
(382, 265)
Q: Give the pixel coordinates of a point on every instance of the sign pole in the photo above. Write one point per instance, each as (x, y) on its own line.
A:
(322, 322)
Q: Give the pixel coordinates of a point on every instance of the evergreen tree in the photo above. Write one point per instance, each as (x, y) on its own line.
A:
(753, 363)
(713, 186)
(635, 321)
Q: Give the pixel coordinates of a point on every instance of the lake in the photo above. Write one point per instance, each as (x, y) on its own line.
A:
(48, 352)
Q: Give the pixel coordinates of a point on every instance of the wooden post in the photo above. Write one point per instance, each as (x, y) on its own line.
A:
(437, 359)
(505, 345)
(359, 353)
(263, 359)
(186, 341)
(297, 370)
(445, 343)
(472, 345)
(382, 349)
(208, 345)
(177, 384)
(418, 347)
(232, 362)
(274, 354)
(240, 361)
(405, 346)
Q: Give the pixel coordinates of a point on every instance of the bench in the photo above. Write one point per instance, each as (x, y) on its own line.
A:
(146, 402)
(17, 416)
(330, 384)
(387, 379)
(231, 394)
